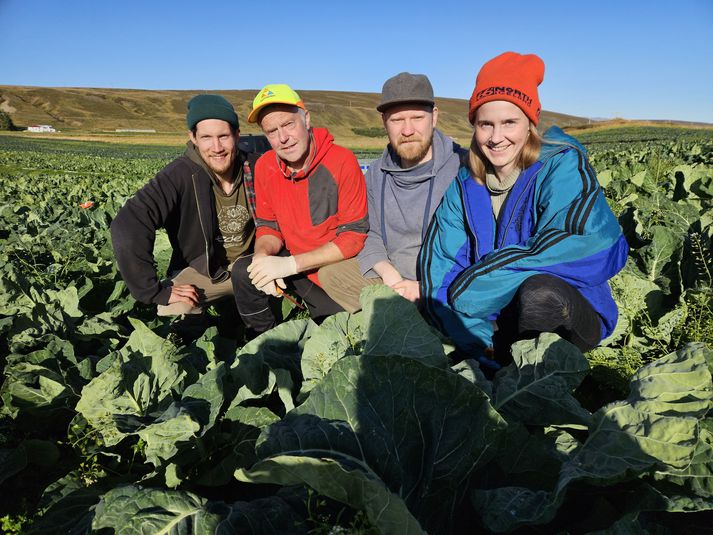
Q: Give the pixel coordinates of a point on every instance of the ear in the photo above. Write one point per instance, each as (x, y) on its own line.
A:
(435, 116)
(192, 137)
(307, 120)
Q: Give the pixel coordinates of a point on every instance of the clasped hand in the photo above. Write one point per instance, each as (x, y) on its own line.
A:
(407, 289)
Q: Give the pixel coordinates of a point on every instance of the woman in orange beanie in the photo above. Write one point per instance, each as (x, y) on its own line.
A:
(523, 238)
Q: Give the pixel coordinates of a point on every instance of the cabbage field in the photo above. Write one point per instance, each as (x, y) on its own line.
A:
(115, 421)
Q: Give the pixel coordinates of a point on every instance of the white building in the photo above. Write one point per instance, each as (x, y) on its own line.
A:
(41, 128)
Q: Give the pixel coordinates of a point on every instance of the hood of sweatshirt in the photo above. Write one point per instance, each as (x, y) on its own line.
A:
(319, 144)
(443, 148)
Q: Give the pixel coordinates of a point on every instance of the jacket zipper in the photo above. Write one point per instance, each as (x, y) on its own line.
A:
(200, 221)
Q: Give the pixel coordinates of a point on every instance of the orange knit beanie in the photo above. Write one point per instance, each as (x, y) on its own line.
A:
(513, 77)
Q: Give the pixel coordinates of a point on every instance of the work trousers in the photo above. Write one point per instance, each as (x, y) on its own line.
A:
(254, 305)
(344, 282)
(208, 292)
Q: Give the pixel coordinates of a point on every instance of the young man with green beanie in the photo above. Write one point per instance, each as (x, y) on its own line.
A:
(311, 210)
(205, 201)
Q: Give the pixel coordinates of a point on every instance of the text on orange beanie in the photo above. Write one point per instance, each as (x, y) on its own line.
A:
(513, 77)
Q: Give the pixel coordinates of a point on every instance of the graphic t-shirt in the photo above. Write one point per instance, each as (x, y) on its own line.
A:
(236, 228)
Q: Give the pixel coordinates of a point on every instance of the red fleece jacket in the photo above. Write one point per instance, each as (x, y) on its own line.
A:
(324, 203)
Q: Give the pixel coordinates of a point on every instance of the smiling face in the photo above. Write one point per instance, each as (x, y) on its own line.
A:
(217, 144)
(501, 132)
(410, 130)
(287, 130)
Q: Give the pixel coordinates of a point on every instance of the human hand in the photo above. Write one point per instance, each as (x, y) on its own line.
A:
(184, 293)
(265, 269)
(271, 287)
(408, 289)
(392, 279)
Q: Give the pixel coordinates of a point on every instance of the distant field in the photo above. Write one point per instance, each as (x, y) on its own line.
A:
(95, 114)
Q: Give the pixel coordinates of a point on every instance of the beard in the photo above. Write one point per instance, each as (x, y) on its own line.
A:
(221, 169)
(413, 150)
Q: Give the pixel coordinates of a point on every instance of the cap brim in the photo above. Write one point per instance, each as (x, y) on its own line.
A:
(384, 105)
(252, 117)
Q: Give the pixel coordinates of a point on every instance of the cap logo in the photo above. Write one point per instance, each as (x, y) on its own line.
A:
(267, 93)
(507, 91)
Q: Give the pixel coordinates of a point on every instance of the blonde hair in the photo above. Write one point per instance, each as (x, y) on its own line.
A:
(479, 164)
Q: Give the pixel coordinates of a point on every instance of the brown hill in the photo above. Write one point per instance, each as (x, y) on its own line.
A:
(88, 113)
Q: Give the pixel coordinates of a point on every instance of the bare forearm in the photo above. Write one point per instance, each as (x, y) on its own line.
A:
(387, 272)
(267, 245)
(326, 254)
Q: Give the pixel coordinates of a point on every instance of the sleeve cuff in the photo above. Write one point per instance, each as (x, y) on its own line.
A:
(350, 243)
(267, 231)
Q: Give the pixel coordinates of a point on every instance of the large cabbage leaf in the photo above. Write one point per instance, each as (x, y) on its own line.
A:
(658, 427)
(387, 325)
(132, 509)
(418, 430)
(537, 388)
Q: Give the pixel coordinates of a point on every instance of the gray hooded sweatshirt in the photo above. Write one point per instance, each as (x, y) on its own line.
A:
(402, 203)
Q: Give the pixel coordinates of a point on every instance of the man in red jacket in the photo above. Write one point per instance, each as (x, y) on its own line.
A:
(311, 210)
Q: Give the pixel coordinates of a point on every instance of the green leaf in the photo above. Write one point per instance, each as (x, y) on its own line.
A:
(130, 394)
(505, 509)
(170, 433)
(470, 370)
(698, 475)
(394, 326)
(339, 336)
(204, 398)
(659, 255)
(387, 512)
(67, 507)
(537, 388)
(132, 509)
(147, 343)
(421, 430)
(657, 427)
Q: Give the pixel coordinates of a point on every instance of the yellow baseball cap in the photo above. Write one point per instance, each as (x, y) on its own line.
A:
(274, 94)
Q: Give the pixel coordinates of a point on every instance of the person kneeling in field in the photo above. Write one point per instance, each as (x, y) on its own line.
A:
(311, 210)
(404, 188)
(205, 201)
(524, 238)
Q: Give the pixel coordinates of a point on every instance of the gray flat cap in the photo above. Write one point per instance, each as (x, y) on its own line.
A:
(406, 87)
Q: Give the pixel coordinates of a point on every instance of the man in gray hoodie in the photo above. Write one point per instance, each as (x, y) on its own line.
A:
(404, 188)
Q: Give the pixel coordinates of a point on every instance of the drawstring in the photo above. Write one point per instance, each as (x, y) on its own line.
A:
(424, 225)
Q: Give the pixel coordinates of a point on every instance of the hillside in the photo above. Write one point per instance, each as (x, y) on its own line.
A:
(86, 113)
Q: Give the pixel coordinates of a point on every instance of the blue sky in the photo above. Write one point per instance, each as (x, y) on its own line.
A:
(638, 60)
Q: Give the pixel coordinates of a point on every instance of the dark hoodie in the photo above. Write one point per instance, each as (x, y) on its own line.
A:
(180, 199)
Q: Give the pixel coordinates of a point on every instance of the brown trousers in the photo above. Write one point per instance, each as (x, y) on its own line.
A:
(343, 282)
(208, 291)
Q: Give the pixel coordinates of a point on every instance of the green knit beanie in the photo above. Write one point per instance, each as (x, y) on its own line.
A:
(210, 107)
